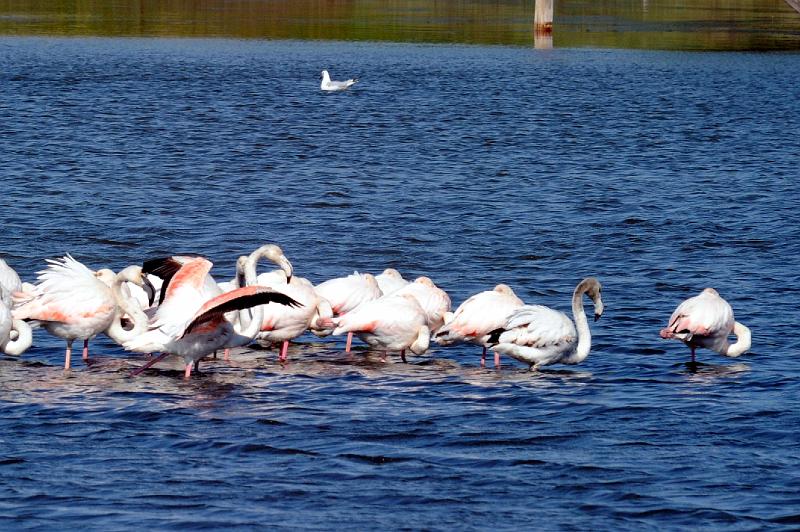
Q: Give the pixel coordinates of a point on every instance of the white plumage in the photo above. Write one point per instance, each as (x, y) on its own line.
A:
(332, 86)
(706, 320)
(540, 336)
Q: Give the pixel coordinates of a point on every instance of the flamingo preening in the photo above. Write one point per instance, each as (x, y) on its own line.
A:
(70, 301)
(190, 324)
(478, 316)
(706, 320)
(391, 323)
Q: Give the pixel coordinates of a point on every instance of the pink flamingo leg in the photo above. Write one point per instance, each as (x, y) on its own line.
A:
(86, 349)
(226, 355)
(150, 362)
(68, 355)
(403, 356)
(496, 359)
(349, 342)
(187, 373)
(284, 350)
(483, 358)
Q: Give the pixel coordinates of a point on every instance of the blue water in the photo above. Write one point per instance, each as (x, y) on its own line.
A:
(660, 173)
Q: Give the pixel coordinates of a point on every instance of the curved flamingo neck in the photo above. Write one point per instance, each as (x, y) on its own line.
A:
(22, 342)
(582, 326)
(124, 306)
(743, 341)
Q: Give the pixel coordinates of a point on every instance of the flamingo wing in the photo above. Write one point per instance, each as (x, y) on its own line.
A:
(67, 288)
(166, 268)
(536, 326)
(704, 315)
(238, 299)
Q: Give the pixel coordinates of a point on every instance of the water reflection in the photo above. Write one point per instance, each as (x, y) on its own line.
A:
(705, 24)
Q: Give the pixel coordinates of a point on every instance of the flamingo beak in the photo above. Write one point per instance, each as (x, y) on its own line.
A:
(286, 266)
(149, 289)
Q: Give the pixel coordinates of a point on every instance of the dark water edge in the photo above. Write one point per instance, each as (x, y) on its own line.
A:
(643, 24)
(658, 172)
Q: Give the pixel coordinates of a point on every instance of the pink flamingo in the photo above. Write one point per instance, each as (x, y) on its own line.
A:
(478, 316)
(392, 322)
(433, 300)
(190, 325)
(706, 320)
(282, 323)
(346, 293)
(70, 301)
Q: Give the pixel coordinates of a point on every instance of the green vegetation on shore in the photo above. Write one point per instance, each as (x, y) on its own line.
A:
(659, 24)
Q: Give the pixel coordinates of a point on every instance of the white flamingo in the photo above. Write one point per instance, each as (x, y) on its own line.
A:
(346, 293)
(706, 320)
(190, 325)
(433, 300)
(130, 308)
(390, 281)
(70, 301)
(540, 336)
(333, 86)
(478, 316)
(282, 323)
(392, 323)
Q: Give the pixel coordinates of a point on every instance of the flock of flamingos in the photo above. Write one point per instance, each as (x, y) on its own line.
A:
(173, 306)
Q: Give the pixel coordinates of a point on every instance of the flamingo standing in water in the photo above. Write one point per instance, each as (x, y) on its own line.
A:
(346, 293)
(70, 301)
(190, 325)
(540, 336)
(476, 317)
(394, 322)
(706, 320)
(282, 323)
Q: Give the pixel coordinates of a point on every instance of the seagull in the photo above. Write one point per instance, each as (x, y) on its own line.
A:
(332, 86)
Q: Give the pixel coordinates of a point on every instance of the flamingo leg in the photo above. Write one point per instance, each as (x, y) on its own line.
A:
(226, 355)
(187, 373)
(384, 355)
(214, 356)
(284, 350)
(149, 363)
(483, 358)
(68, 355)
(403, 356)
(349, 342)
(86, 349)
(693, 360)
(496, 359)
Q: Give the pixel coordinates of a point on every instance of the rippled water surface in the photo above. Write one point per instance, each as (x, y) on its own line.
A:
(660, 173)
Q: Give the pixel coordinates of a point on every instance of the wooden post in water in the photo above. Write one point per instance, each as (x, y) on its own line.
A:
(543, 24)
